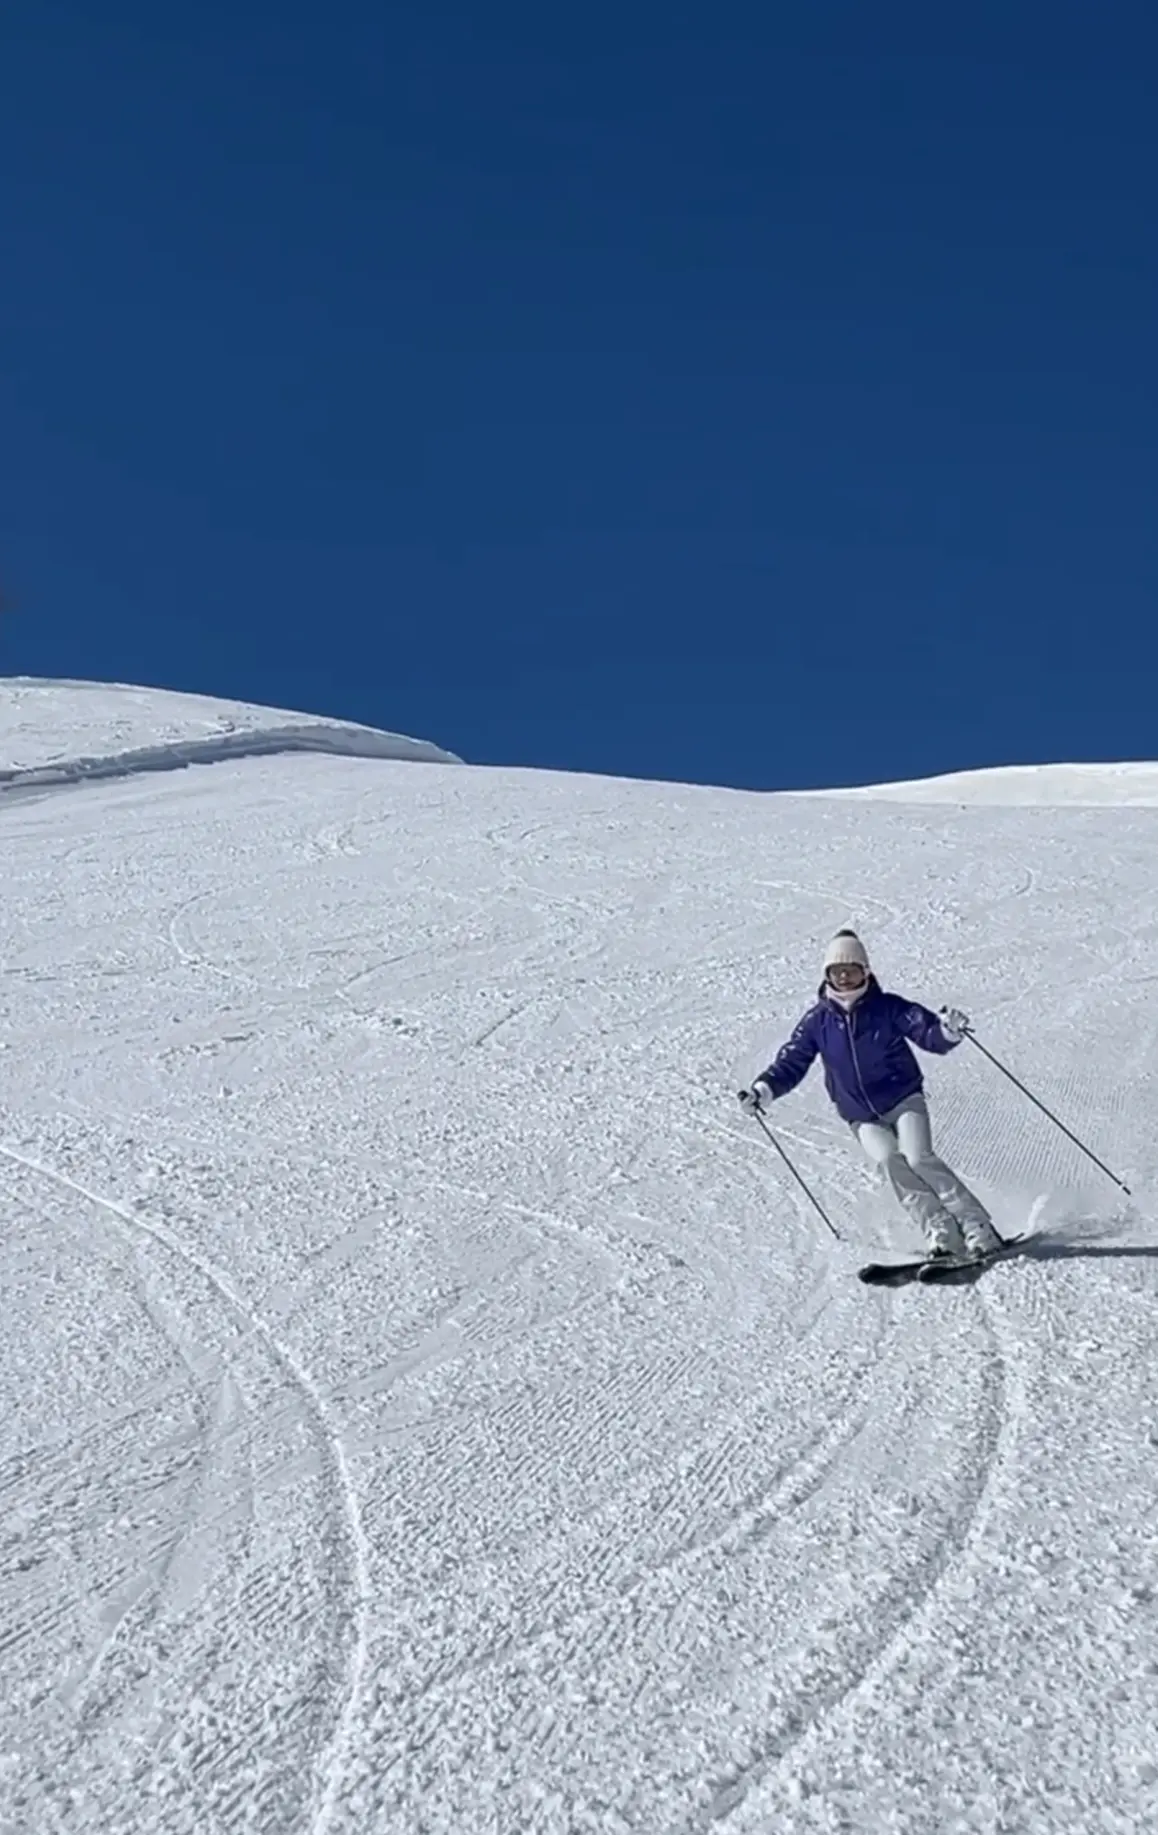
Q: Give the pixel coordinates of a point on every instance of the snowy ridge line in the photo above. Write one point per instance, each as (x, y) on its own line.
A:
(1132, 783)
(174, 755)
(339, 1748)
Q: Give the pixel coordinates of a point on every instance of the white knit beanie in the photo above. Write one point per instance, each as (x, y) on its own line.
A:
(846, 946)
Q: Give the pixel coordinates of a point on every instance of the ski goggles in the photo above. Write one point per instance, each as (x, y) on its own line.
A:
(845, 975)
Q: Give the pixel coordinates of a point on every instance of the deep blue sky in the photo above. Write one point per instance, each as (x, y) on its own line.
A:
(732, 392)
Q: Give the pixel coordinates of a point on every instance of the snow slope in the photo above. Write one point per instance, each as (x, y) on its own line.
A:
(1095, 786)
(64, 732)
(426, 1404)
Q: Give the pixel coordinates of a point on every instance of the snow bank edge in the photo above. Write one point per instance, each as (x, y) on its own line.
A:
(345, 741)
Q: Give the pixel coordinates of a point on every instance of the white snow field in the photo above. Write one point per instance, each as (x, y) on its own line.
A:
(427, 1404)
(65, 732)
(1095, 786)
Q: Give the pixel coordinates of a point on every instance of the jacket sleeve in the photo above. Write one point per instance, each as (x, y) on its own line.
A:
(921, 1026)
(793, 1060)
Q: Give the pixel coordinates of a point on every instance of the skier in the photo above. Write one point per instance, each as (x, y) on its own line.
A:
(862, 1036)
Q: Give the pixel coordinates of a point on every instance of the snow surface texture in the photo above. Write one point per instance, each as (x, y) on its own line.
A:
(1094, 786)
(68, 732)
(427, 1405)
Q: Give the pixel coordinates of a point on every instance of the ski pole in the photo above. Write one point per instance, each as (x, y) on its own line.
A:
(807, 1190)
(1068, 1132)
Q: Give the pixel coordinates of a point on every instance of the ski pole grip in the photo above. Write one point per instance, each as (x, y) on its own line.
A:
(966, 1031)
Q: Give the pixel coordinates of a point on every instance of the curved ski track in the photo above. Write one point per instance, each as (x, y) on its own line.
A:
(334, 1762)
(944, 1567)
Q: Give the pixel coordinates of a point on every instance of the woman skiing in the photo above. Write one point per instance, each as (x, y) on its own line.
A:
(863, 1036)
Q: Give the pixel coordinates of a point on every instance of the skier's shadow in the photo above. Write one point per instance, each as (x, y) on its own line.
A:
(1059, 1249)
(1046, 1249)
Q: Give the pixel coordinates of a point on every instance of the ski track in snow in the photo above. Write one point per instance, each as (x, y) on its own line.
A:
(428, 1407)
(916, 1614)
(156, 1234)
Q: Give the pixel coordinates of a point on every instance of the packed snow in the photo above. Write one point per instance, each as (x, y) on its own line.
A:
(55, 732)
(428, 1405)
(1092, 785)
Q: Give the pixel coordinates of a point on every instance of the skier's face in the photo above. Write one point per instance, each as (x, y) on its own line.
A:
(845, 977)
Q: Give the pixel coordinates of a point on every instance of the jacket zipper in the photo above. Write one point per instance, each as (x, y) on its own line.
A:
(856, 1066)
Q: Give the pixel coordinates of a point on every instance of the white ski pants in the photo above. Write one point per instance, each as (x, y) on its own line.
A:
(944, 1210)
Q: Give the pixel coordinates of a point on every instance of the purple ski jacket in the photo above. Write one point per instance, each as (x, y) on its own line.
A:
(868, 1065)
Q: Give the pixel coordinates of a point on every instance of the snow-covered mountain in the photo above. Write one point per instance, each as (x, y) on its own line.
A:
(427, 1404)
(1093, 786)
(59, 732)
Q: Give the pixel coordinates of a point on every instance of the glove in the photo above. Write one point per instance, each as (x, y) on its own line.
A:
(954, 1023)
(753, 1100)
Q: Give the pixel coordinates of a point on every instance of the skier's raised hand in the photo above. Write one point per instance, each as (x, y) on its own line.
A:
(753, 1101)
(954, 1023)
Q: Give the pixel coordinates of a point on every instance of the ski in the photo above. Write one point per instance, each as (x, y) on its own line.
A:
(932, 1267)
(892, 1274)
(960, 1267)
